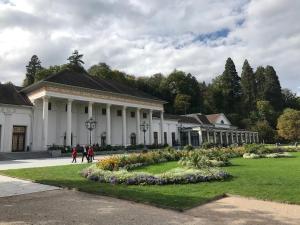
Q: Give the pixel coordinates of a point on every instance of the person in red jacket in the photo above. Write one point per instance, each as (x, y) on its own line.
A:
(90, 154)
(74, 155)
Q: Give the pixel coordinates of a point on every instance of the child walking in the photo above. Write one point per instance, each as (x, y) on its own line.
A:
(74, 155)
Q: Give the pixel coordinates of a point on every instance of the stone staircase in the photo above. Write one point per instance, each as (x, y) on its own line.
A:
(23, 155)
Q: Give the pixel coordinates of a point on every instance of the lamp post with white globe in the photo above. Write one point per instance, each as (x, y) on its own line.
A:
(144, 127)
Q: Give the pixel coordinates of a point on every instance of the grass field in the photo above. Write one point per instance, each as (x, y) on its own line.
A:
(269, 179)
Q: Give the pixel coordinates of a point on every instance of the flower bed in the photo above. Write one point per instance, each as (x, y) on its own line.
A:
(175, 176)
(271, 155)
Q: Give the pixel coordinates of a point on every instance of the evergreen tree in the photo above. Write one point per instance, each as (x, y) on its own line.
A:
(231, 87)
(272, 88)
(75, 61)
(260, 82)
(33, 67)
(248, 88)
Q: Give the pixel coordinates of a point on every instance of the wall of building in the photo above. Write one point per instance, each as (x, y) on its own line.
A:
(14, 116)
(57, 124)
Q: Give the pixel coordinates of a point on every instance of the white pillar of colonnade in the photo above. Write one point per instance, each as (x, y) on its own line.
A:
(90, 115)
(108, 125)
(45, 122)
(138, 124)
(124, 139)
(150, 128)
(162, 127)
(69, 123)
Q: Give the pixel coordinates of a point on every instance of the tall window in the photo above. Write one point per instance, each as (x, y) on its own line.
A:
(165, 138)
(173, 139)
(86, 110)
(133, 139)
(119, 112)
(132, 114)
(155, 136)
(49, 106)
(144, 115)
(103, 139)
(103, 111)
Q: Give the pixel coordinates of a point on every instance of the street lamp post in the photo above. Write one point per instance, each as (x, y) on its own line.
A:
(90, 124)
(144, 127)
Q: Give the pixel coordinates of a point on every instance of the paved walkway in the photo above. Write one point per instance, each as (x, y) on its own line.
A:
(72, 207)
(11, 186)
(31, 163)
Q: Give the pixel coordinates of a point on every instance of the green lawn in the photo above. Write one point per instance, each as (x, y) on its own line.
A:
(269, 179)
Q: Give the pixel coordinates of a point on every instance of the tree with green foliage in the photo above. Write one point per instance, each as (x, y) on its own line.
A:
(45, 72)
(182, 102)
(33, 67)
(75, 61)
(260, 79)
(248, 86)
(101, 70)
(271, 89)
(288, 125)
(231, 88)
(266, 132)
(290, 99)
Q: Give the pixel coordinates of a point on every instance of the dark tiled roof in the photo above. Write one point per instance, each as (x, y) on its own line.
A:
(179, 118)
(84, 80)
(9, 94)
(203, 119)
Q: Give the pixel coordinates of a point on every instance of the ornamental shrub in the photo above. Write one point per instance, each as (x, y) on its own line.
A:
(175, 176)
(113, 163)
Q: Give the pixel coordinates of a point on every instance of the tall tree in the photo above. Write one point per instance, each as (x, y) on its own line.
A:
(260, 79)
(33, 67)
(75, 60)
(248, 85)
(271, 89)
(231, 87)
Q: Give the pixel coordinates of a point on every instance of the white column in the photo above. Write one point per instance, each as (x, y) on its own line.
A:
(90, 113)
(227, 139)
(221, 137)
(150, 128)
(124, 126)
(69, 122)
(247, 137)
(189, 138)
(237, 137)
(232, 140)
(200, 137)
(257, 138)
(208, 137)
(108, 125)
(138, 126)
(215, 137)
(162, 127)
(45, 121)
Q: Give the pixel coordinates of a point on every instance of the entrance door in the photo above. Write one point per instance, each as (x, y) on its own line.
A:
(18, 138)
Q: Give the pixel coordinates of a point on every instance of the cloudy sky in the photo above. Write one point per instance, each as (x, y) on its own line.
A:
(145, 37)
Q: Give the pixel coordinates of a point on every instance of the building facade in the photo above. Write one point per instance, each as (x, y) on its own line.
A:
(54, 111)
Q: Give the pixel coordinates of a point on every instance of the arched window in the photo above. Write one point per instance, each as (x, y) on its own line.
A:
(133, 139)
(103, 139)
(222, 121)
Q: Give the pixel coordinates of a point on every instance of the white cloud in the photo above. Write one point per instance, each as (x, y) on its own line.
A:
(146, 37)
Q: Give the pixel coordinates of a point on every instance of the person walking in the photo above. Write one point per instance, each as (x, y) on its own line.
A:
(90, 154)
(84, 153)
(74, 155)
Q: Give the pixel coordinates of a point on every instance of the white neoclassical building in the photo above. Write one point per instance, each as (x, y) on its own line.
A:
(54, 111)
